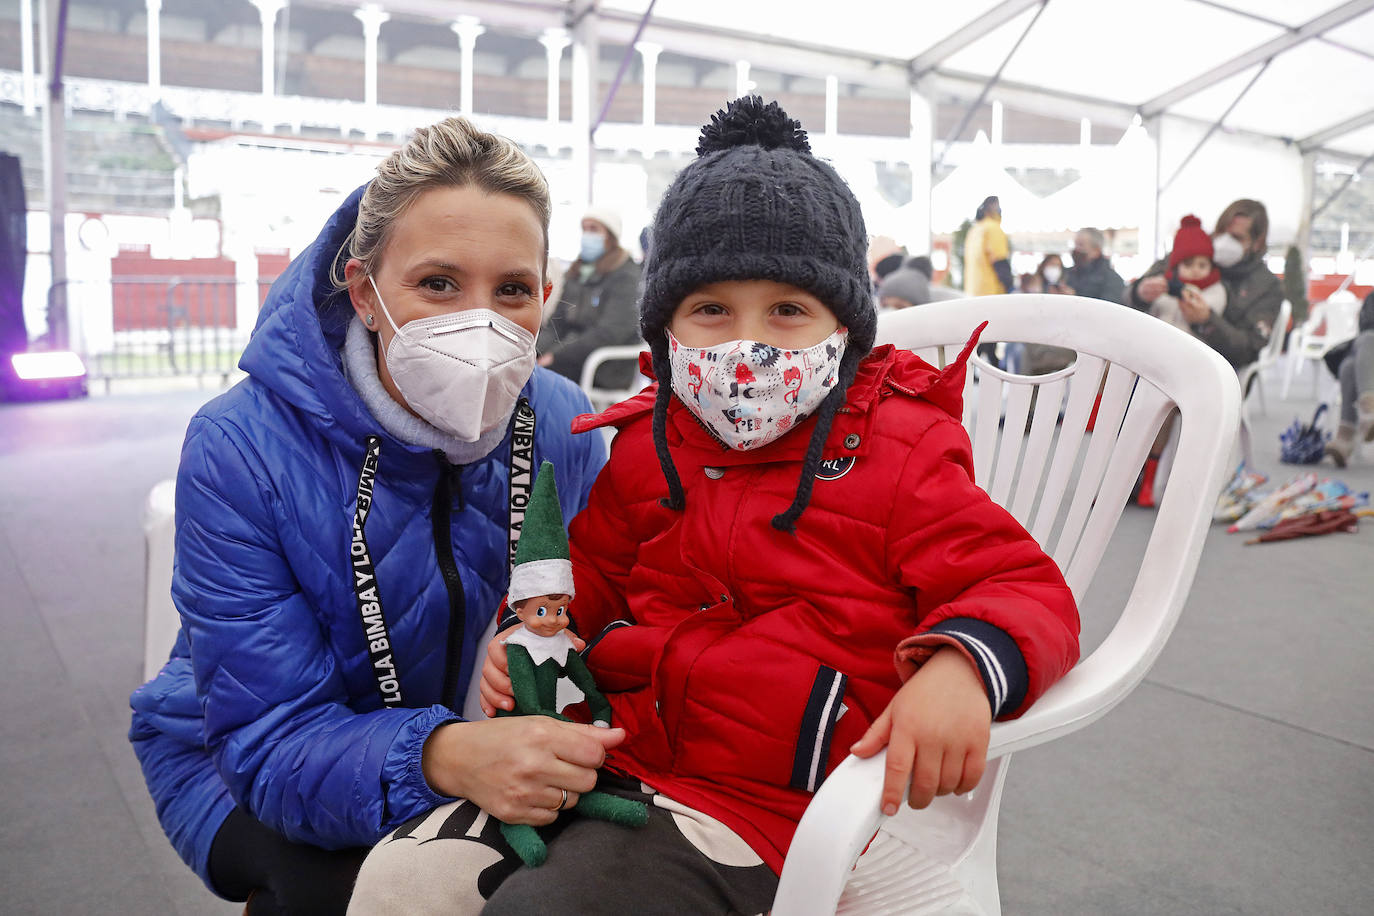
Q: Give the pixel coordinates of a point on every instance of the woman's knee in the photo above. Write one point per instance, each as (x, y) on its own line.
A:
(448, 861)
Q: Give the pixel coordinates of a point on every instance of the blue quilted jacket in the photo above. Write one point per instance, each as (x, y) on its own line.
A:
(269, 700)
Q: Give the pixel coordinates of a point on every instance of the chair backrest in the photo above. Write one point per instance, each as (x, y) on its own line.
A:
(1068, 486)
(1272, 350)
(1331, 322)
(602, 398)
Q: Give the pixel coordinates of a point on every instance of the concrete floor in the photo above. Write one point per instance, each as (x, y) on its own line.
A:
(1239, 778)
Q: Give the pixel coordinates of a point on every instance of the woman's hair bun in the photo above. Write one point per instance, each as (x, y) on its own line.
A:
(747, 121)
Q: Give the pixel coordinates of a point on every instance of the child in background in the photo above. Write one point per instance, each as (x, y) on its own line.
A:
(786, 559)
(1191, 275)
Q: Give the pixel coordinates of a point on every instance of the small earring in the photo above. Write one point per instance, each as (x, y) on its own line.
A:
(369, 321)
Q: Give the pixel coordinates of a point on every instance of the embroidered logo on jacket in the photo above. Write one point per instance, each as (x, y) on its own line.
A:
(834, 468)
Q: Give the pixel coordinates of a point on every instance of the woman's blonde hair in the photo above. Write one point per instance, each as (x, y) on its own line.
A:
(450, 154)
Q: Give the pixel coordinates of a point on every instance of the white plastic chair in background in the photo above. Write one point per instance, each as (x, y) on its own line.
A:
(602, 398)
(1269, 356)
(160, 618)
(1329, 324)
(943, 859)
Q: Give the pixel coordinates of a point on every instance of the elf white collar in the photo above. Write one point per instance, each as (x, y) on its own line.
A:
(543, 648)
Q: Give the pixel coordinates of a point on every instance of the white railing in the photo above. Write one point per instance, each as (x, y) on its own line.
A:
(238, 109)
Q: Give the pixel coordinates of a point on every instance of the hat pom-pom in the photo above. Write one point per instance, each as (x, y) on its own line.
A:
(747, 121)
(1190, 222)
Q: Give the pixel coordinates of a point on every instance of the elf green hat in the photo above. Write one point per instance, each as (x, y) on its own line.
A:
(542, 566)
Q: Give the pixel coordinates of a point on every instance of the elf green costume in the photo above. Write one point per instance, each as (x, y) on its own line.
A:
(547, 674)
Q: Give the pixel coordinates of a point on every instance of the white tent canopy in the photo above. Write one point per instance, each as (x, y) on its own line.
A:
(1237, 96)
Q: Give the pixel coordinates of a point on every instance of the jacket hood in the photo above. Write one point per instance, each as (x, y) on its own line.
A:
(295, 347)
(884, 371)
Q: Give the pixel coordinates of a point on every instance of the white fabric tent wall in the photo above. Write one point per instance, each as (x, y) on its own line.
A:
(1227, 167)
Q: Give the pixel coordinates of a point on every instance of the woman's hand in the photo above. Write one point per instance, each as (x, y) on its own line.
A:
(495, 688)
(517, 768)
(1151, 288)
(936, 732)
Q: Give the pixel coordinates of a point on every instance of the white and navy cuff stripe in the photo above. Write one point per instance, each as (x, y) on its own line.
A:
(1000, 662)
(613, 625)
(823, 709)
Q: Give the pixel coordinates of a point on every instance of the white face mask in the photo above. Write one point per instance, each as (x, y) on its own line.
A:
(1052, 274)
(1226, 250)
(461, 372)
(749, 393)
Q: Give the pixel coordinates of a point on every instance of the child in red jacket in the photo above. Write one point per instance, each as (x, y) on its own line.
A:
(785, 559)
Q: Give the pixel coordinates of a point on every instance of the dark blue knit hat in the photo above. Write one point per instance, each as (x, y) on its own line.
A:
(756, 205)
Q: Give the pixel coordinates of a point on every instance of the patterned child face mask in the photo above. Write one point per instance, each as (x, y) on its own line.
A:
(749, 393)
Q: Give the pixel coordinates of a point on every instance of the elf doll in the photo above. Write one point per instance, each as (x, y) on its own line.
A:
(547, 674)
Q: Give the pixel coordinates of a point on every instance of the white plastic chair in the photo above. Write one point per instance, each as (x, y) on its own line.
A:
(160, 618)
(943, 859)
(1269, 356)
(602, 398)
(1331, 323)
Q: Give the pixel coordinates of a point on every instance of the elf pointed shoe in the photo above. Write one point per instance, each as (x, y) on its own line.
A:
(1340, 448)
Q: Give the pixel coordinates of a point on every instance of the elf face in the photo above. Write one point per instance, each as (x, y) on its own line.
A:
(543, 615)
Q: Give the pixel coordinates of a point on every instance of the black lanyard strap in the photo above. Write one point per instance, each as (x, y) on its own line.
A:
(369, 599)
(365, 585)
(521, 474)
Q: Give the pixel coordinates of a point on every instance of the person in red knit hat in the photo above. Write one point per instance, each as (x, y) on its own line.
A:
(1191, 276)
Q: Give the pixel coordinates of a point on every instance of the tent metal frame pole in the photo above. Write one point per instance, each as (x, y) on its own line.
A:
(624, 66)
(973, 107)
(1314, 28)
(1317, 211)
(1216, 125)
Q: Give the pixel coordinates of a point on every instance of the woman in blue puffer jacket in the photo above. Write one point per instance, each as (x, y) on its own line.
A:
(345, 518)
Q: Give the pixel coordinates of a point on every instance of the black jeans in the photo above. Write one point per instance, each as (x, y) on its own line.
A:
(250, 861)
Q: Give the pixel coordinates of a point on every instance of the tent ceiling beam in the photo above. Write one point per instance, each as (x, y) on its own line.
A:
(1342, 14)
(1256, 17)
(991, 81)
(1341, 190)
(1321, 137)
(956, 41)
(1215, 125)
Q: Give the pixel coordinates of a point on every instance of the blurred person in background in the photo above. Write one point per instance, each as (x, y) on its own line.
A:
(987, 253)
(937, 291)
(597, 305)
(903, 288)
(1253, 293)
(1051, 274)
(1356, 374)
(1091, 274)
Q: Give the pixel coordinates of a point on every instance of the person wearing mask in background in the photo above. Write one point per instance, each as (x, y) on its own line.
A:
(1051, 274)
(597, 307)
(1253, 293)
(1091, 274)
(342, 522)
(987, 253)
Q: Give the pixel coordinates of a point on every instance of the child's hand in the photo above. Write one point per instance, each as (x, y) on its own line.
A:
(495, 688)
(935, 730)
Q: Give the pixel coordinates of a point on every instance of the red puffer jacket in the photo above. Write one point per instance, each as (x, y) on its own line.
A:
(744, 661)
